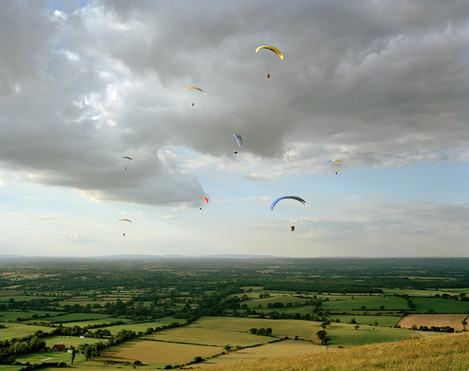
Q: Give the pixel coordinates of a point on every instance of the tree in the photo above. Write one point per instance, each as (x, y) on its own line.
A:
(227, 347)
(356, 327)
(74, 353)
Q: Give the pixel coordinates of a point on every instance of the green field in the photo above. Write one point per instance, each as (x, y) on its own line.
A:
(386, 321)
(423, 305)
(13, 315)
(75, 317)
(347, 302)
(165, 321)
(51, 356)
(254, 303)
(345, 335)
(424, 293)
(91, 322)
(206, 336)
(16, 330)
(280, 328)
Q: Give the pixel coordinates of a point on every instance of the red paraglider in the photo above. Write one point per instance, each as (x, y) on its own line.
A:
(268, 75)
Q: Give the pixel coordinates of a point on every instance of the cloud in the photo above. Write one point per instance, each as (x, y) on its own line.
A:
(372, 83)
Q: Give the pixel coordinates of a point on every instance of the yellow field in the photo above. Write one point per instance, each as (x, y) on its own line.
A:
(204, 336)
(448, 352)
(152, 353)
(437, 320)
(281, 348)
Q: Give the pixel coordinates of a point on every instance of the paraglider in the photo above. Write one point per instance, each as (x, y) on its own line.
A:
(273, 49)
(334, 165)
(239, 140)
(123, 220)
(287, 197)
(195, 88)
(205, 198)
(127, 158)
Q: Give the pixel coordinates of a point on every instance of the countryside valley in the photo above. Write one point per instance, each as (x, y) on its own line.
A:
(161, 313)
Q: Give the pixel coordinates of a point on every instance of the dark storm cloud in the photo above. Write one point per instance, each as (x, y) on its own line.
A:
(379, 82)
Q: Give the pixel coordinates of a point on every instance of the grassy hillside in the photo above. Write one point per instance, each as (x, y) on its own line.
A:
(447, 352)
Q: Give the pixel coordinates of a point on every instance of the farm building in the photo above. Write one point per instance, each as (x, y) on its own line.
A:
(59, 347)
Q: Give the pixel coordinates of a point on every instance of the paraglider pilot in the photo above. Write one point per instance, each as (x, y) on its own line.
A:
(292, 227)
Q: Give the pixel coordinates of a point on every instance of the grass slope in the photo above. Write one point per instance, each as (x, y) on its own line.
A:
(448, 352)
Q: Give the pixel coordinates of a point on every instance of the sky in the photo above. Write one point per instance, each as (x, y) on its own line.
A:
(382, 86)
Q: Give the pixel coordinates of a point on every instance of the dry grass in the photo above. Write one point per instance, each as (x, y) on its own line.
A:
(437, 320)
(449, 352)
(155, 353)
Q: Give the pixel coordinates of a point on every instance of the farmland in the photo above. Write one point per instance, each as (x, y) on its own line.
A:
(194, 312)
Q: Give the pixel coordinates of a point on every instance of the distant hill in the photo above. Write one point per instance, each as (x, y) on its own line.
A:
(140, 257)
(448, 352)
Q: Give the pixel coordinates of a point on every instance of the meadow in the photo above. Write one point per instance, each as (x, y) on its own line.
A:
(448, 352)
(213, 309)
(153, 353)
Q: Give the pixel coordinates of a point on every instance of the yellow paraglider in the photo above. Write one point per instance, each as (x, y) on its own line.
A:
(195, 88)
(273, 48)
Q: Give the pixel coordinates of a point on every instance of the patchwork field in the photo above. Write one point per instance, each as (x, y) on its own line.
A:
(13, 330)
(280, 328)
(91, 322)
(154, 353)
(386, 321)
(69, 317)
(438, 305)
(13, 315)
(206, 336)
(143, 326)
(437, 320)
(346, 335)
(347, 302)
(278, 349)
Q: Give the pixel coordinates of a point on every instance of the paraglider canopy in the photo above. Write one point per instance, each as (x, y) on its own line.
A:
(196, 88)
(126, 158)
(272, 48)
(205, 198)
(125, 221)
(334, 165)
(287, 197)
(239, 140)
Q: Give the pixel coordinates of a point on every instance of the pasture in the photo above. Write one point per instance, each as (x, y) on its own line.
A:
(284, 299)
(209, 336)
(385, 321)
(438, 305)
(375, 302)
(91, 322)
(50, 357)
(75, 317)
(280, 328)
(164, 321)
(17, 330)
(6, 316)
(154, 353)
(277, 349)
(345, 335)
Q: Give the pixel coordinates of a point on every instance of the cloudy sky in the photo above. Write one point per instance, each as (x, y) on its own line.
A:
(382, 86)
